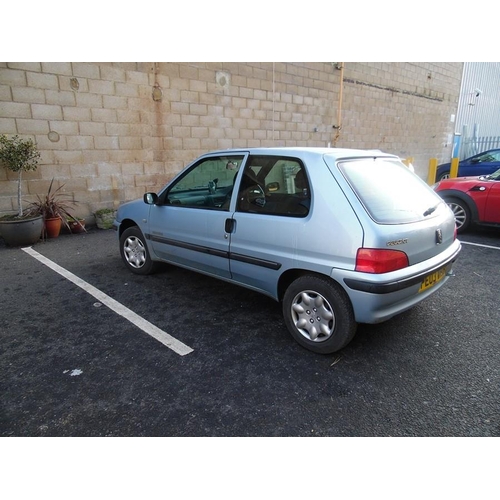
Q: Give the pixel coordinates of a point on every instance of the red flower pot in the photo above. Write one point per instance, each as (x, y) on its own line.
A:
(53, 227)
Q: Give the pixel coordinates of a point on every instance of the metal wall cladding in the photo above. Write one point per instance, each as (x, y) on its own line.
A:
(479, 107)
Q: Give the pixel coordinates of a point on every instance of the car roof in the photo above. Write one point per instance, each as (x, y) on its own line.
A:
(306, 150)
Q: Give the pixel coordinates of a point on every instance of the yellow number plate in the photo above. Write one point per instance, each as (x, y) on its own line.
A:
(432, 279)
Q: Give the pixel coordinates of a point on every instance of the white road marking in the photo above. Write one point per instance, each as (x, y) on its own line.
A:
(479, 245)
(144, 325)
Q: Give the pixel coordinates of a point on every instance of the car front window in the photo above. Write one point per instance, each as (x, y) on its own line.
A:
(390, 193)
(207, 184)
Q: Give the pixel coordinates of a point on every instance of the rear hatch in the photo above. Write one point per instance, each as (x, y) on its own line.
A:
(396, 208)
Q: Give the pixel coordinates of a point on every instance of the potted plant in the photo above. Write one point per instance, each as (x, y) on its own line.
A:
(54, 207)
(19, 155)
(104, 218)
(76, 225)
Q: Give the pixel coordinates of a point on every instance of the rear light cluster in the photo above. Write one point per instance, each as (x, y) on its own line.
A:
(378, 261)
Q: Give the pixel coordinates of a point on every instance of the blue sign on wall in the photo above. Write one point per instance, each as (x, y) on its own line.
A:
(456, 146)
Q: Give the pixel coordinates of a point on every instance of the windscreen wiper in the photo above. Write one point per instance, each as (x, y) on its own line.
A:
(430, 210)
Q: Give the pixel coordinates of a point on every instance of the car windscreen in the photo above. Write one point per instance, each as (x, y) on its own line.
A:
(390, 193)
(495, 176)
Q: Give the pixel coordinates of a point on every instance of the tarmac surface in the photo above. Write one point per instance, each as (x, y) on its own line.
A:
(72, 366)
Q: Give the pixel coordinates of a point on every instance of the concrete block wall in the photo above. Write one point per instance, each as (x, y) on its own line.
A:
(111, 131)
(404, 108)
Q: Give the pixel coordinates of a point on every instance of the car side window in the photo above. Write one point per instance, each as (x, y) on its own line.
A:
(489, 157)
(274, 185)
(208, 184)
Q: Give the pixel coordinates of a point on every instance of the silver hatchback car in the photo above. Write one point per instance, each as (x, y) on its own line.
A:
(338, 236)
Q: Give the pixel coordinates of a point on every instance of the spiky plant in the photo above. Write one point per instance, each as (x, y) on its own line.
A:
(54, 204)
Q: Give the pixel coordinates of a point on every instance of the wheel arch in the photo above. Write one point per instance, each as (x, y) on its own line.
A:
(289, 276)
(125, 224)
(460, 195)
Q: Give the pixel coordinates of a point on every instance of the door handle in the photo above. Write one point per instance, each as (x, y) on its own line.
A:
(229, 225)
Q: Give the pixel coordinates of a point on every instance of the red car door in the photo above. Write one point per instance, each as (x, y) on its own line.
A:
(492, 208)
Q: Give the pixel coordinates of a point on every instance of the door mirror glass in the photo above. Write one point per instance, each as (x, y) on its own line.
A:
(151, 198)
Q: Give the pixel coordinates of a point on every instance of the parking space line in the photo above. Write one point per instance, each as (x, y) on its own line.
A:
(144, 325)
(479, 245)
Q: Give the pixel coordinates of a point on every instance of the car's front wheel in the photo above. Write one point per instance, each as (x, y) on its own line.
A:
(443, 176)
(461, 212)
(135, 253)
(318, 314)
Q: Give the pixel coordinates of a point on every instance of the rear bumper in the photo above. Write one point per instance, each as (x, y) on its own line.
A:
(375, 298)
(394, 286)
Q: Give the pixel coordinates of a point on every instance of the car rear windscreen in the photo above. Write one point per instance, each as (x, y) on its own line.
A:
(390, 193)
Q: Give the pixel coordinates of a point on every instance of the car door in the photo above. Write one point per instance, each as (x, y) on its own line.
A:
(492, 207)
(187, 226)
(273, 202)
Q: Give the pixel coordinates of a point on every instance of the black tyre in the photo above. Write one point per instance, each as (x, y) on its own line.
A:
(318, 314)
(135, 253)
(444, 175)
(462, 213)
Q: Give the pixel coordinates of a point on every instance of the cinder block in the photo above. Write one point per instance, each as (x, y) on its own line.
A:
(28, 95)
(42, 81)
(46, 111)
(106, 143)
(76, 114)
(86, 70)
(27, 66)
(15, 110)
(64, 98)
(126, 89)
(8, 126)
(25, 126)
(57, 68)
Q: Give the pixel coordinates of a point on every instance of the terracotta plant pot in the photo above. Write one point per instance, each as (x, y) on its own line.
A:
(77, 226)
(53, 227)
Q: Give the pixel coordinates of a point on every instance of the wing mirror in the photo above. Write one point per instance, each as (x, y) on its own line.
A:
(151, 198)
(272, 187)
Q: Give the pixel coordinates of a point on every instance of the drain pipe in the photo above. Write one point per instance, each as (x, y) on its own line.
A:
(338, 127)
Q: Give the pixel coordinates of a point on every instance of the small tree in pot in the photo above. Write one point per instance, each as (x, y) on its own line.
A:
(18, 155)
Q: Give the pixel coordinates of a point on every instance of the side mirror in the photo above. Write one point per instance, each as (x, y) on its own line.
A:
(151, 198)
(272, 187)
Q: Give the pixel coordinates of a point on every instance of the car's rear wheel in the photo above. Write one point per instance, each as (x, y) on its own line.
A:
(444, 175)
(135, 253)
(318, 314)
(461, 212)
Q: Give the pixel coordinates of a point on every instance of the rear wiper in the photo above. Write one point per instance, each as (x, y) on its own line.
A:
(430, 210)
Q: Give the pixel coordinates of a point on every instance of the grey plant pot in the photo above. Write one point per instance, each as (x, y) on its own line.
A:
(21, 232)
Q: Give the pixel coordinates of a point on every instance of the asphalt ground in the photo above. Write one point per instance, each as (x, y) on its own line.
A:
(71, 366)
(74, 363)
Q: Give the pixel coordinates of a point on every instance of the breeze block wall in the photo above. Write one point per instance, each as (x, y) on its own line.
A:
(112, 131)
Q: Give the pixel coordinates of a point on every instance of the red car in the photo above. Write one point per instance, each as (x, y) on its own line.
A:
(474, 200)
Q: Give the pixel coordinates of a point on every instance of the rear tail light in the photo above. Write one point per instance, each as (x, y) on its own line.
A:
(455, 233)
(378, 261)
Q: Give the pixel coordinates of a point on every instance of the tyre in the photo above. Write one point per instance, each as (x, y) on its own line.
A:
(461, 212)
(135, 253)
(318, 314)
(444, 175)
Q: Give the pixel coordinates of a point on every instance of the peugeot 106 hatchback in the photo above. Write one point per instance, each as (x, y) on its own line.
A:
(337, 236)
